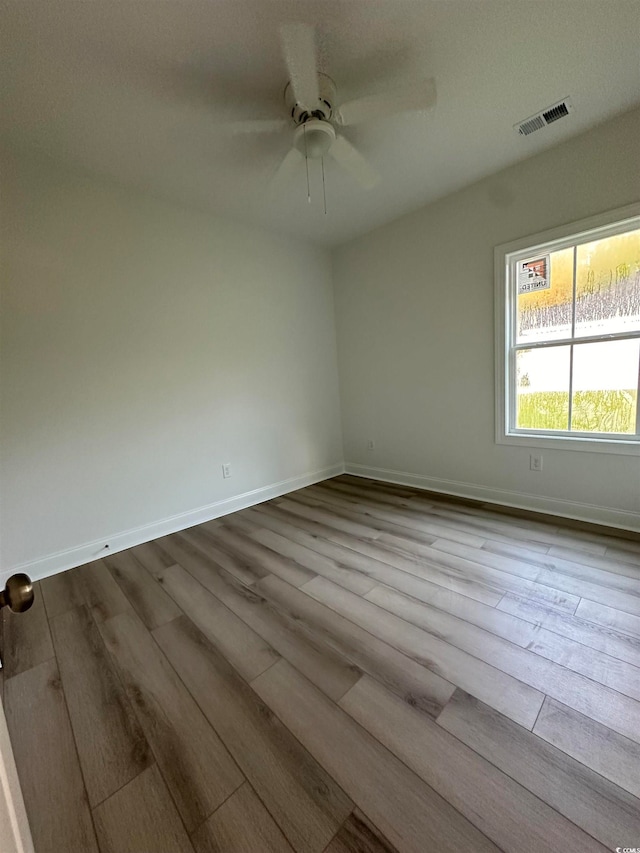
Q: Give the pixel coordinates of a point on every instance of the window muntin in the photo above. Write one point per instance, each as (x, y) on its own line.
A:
(573, 336)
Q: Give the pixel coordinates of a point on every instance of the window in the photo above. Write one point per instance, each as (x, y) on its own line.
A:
(568, 351)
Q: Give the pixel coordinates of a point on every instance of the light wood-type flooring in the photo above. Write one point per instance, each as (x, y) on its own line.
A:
(356, 666)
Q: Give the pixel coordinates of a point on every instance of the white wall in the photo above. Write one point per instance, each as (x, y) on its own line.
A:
(144, 345)
(414, 308)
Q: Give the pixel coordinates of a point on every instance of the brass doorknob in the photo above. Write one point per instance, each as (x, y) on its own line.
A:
(18, 593)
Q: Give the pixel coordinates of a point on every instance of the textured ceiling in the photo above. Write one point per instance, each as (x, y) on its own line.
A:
(140, 91)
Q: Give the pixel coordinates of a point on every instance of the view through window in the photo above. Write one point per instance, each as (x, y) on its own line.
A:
(574, 354)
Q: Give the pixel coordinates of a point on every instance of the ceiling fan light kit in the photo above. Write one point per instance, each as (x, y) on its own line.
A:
(314, 138)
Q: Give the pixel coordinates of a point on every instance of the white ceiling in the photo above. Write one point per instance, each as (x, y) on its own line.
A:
(138, 91)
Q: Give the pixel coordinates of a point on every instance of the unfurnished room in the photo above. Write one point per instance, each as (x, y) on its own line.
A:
(319, 426)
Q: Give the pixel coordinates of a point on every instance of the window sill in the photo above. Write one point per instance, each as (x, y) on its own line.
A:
(620, 447)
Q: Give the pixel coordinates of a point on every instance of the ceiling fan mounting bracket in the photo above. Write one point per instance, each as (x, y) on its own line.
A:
(323, 110)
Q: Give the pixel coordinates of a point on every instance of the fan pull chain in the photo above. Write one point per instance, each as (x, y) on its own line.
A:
(324, 190)
(306, 161)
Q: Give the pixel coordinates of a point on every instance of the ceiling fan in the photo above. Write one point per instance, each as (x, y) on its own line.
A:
(315, 113)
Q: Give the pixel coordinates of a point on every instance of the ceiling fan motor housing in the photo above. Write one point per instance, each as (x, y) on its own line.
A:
(323, 109)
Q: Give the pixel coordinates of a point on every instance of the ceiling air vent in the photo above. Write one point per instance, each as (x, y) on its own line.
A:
(543, 118)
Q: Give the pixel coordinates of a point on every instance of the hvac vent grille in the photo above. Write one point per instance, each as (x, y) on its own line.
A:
(531, 124)
(545, 117)
(555, 113)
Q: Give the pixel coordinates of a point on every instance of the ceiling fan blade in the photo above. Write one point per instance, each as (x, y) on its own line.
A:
(287, 167)
(299, 49)
(416, 96)
(354, 163)
(260, 125)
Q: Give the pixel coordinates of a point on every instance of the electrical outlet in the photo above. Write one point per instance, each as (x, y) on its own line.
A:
(535, 462)
(371, 445)
(226, 470)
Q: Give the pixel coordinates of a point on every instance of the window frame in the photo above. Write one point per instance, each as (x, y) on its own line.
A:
(586, 230)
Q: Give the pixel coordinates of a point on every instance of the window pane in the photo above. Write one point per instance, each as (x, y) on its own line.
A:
(608, 285)
(545, 315)
(542, 380)
(605, 386)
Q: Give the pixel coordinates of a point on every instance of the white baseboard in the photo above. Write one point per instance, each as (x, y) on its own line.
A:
(69, 559)
(621, 518)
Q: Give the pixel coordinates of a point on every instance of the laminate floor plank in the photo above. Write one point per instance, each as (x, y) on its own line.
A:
(506, 693)
(141, 818)
(370, 487)
(306, 803)
(580, 572)
(272, 561)
(615, 757)
(349, 492)
(627, 622)
(326, 516)
(398, 569)
(111, 746)
(397, 520)
(531, 532)
(47, 762)
(27, 639)
(510, 549)
(192, 551)
(594, 535)
(571, 562)
(195, 764)
(512, 817)
(613, 643)
(528, 584)
(322, 665)
(374, 485)
(604, 810)
(528, 520)
(63, 591)
(252, 526)
(425, 689)
(380, 521)
(578, 531)
(427, 562)
(356, 495)
(623, 549)
(315, 562)
(241, 645)
(383, 491)
(242, 825)
(517, 631)
(247, 571)
(152, 557)
(149, 600)
(452, 516)
(358, 835)
(569, 589)
(493, 524)
(517, 576)
(91, 584)
(508, 667)
(407, 556)
(408, 812)
(463, 630)
(628, 567)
